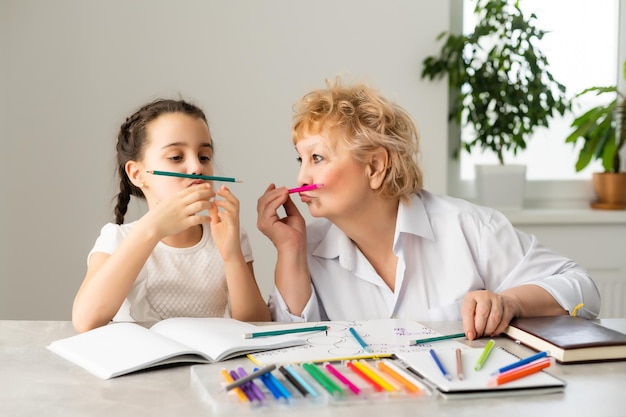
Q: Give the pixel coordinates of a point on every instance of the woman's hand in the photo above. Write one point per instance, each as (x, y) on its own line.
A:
(291, 275)
(290, 231)
(486, 313)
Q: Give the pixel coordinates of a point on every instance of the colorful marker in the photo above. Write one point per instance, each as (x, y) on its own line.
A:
(305, 188)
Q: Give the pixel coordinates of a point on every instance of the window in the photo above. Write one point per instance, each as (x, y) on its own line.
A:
(583, 51)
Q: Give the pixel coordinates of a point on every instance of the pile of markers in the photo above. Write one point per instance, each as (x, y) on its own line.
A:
(512, 372)
(319, 384)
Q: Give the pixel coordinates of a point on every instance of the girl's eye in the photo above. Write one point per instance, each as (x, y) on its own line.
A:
(299, 160)
(176, 158)
(317, 158)
(205, 158)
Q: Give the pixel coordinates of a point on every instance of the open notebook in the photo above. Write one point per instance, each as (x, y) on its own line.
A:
(121, 348)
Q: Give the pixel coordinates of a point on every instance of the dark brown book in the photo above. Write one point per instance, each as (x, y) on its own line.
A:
(569, 339)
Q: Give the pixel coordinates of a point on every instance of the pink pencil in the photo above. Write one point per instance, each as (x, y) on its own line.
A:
(305, 188)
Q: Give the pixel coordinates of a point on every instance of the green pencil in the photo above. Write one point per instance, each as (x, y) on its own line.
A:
(284, 331)
(434, 339)
(194, 176)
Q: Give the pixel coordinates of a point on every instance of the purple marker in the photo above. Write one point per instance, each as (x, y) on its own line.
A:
(251, 385)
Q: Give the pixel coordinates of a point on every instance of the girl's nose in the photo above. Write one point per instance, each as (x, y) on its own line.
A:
(195, 167)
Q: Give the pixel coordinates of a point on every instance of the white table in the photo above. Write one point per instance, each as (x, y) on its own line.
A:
(36, 382)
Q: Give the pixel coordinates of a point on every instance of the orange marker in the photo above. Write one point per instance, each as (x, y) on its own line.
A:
(520, 372)
(395, 375)
(229, 379)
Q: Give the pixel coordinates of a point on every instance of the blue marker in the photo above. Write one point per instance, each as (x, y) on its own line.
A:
(359, 339)
(301, 380)
(270, 386)
(521, 362)
(440, 365)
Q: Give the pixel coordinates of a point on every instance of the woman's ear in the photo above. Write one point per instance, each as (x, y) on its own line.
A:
(134, 171)
(377, 167)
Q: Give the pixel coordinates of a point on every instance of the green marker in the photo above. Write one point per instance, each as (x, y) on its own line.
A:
(484, 355)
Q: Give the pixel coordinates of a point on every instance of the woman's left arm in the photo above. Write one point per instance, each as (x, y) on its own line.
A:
(522, 279)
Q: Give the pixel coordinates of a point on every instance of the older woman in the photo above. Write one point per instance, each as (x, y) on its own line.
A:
(383, 247)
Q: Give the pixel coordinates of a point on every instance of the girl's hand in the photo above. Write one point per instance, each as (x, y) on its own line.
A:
(290, 231)
(486, 313)
(178, 213)
(225, 224)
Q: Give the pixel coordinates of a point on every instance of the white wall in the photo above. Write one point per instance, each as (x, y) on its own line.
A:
(72, 70)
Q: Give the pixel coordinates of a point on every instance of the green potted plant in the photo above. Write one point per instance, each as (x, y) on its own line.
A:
(602, 132)
(501, 86)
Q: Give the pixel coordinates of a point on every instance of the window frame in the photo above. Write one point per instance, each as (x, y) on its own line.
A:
(541, 194)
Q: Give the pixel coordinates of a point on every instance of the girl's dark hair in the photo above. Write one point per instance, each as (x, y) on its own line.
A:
(132, 139)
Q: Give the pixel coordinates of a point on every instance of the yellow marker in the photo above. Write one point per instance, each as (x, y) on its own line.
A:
(373, 376)
(229, 379)
(575, 310)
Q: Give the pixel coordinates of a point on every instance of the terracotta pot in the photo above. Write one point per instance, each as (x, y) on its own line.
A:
(610, 189)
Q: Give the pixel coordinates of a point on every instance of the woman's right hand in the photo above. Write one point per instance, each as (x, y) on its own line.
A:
(288, 234)
(289, 230)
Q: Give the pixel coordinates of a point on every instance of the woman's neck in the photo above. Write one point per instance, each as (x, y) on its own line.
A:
(373, 228)
(372, 231)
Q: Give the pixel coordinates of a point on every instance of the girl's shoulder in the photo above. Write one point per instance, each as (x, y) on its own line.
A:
(112, 234)
(113, 229)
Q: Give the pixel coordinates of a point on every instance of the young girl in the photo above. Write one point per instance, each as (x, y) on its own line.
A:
(175, 261)
(382, 246)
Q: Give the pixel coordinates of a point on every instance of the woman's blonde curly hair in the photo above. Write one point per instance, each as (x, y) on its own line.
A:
(366, 122)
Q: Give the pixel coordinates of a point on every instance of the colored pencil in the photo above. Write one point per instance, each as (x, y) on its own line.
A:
(284, 331)
(194, 176)
(437, 338)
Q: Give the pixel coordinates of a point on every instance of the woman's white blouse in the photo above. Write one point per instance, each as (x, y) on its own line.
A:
(445, 248)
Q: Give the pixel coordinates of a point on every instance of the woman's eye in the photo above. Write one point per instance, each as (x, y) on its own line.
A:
(205, 158)
(299, 160)
(176, 158)
(317, 158)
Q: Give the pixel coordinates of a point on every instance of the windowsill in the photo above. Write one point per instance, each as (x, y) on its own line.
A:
(557, 216)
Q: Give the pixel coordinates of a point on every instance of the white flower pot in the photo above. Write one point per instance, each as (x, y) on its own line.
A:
(501, 186)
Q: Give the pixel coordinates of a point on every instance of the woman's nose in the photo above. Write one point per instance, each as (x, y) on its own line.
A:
(303, 177)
